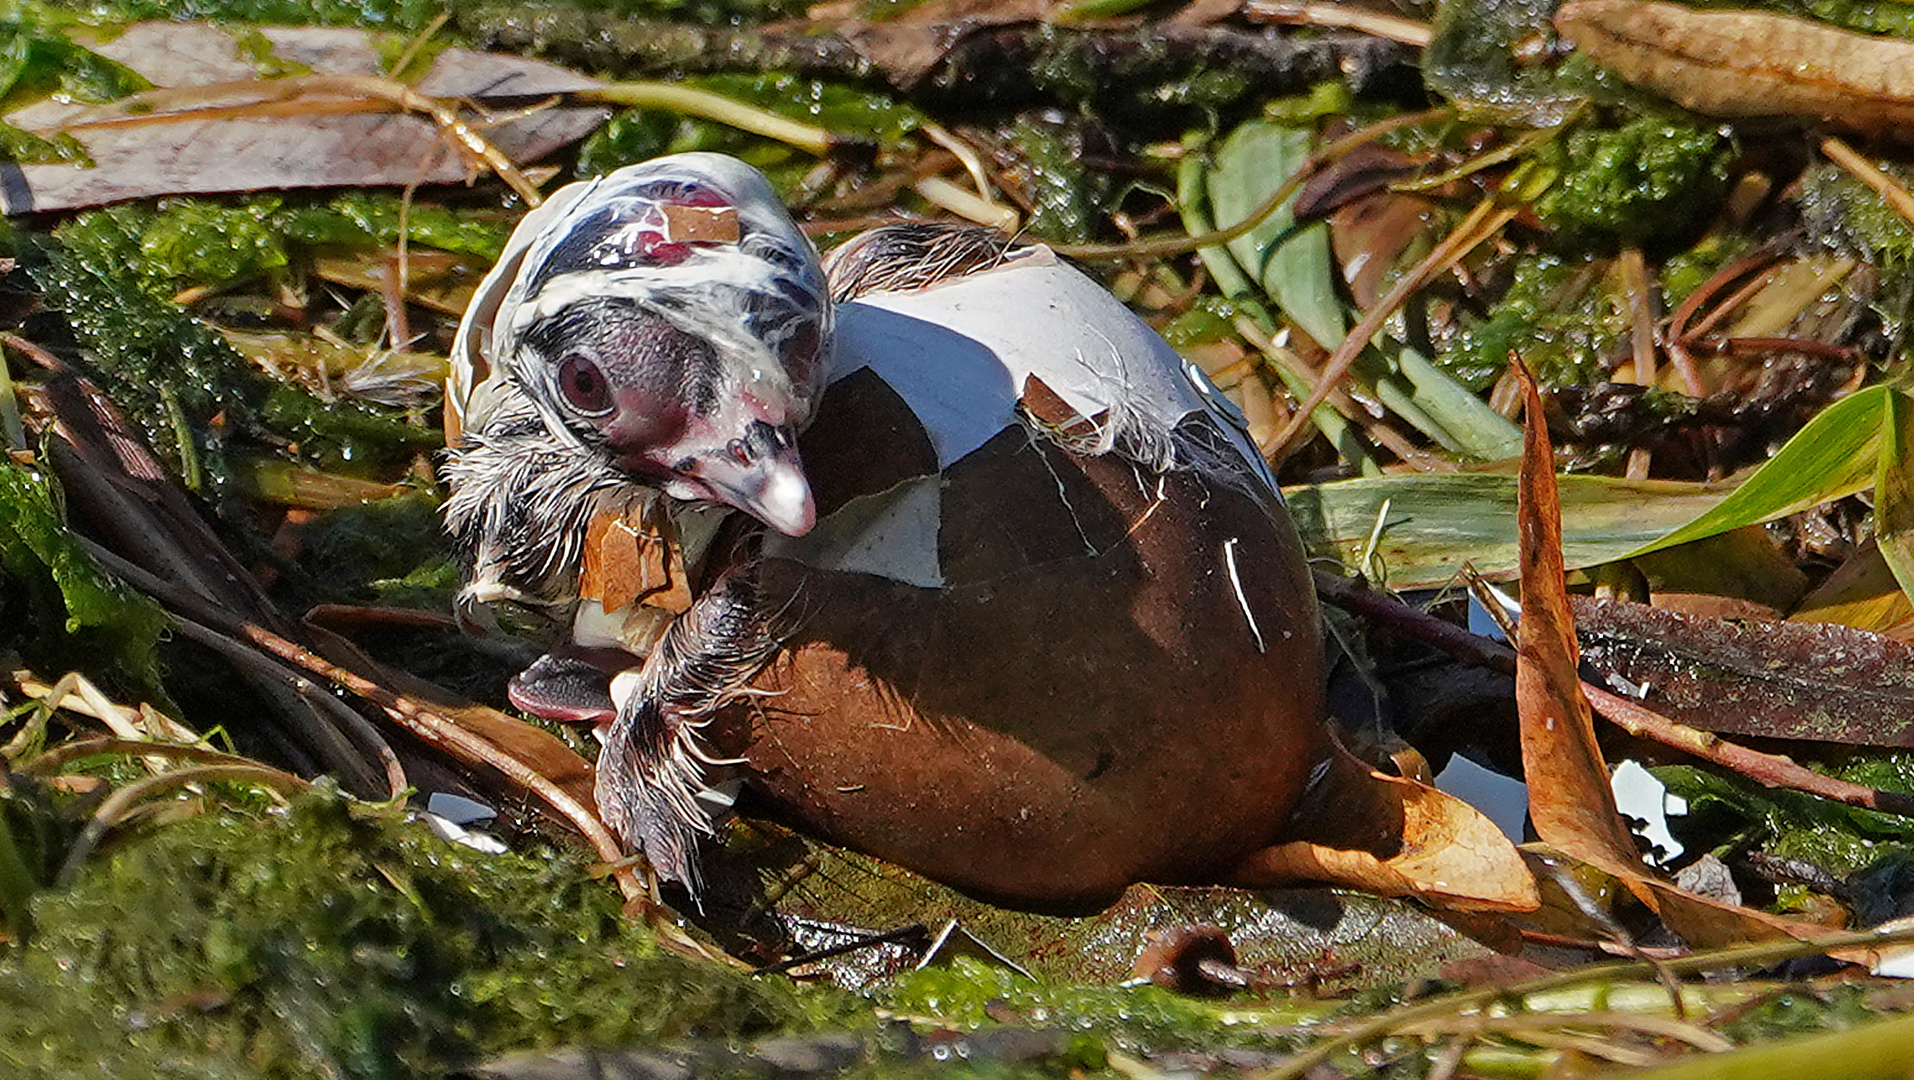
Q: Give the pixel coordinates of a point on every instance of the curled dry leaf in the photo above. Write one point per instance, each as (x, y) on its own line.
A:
(1569, 797)
(1748, 63)
(1390, 835)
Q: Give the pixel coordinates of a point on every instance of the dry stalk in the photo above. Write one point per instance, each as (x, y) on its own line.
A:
(1523, 1024)
(1465, 1001)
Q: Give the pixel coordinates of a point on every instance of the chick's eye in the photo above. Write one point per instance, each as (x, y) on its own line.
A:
(583, 385)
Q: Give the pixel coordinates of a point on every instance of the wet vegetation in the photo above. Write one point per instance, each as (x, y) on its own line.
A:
(222, 411)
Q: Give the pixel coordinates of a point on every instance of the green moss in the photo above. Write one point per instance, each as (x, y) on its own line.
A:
(1554, 314)
(188, 241)
(1830, 1007)
(37, 61)
(257, 48)
(26, 148)
(357, 218)
(1643, 182)
(638, 134)
(392, 550)
(631, 136)
(168, 373)
(1067, 198)
(331, 941)
(1324, 100)
(1868, 16)
(1133, 1016)
(1478, 60)
(193, 241)
(843, 109)
(1730, 814)
(345, 436)
(1685, 271)
(402, 15)
(68, 612)
(1846, 214)
(113, 273)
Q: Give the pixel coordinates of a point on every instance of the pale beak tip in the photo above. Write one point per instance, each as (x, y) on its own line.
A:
(785, 502)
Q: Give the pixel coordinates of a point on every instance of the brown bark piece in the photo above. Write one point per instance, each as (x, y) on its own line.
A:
(1780, 680)
(701, 224)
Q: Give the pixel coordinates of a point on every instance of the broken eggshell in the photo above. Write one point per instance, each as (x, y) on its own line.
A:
(1053, 634)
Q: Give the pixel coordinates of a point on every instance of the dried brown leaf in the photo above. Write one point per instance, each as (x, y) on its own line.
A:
(1748, 63)
(1394, 836)
(1570, 801)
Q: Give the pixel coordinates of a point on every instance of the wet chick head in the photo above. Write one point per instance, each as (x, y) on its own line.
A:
(671, 318)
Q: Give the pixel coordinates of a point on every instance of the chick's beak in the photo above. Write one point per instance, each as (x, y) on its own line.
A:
(772, 488)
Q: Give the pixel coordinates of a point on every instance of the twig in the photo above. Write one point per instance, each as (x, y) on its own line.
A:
(1353, 595)
(1772, 770)
(942, 193)
(966, 154)
(290, 95)
(1342, 15)
(353, 728)
(869, 941)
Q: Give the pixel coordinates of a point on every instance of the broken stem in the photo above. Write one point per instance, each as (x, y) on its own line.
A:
(1772, 770)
